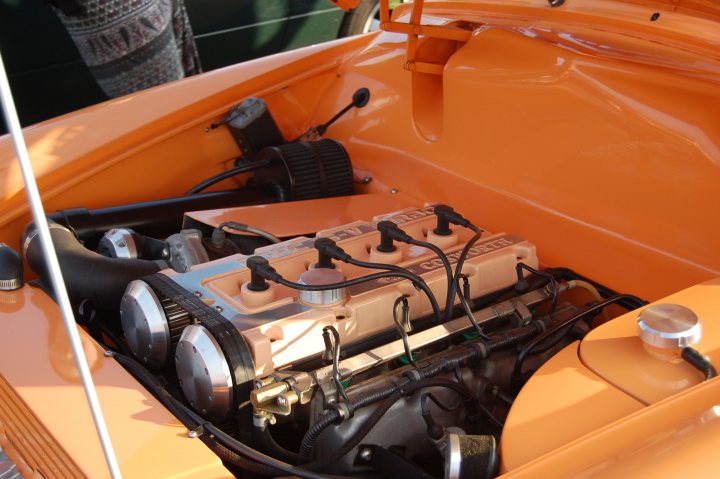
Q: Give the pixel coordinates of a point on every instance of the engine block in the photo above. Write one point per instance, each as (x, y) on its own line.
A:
(190, 317)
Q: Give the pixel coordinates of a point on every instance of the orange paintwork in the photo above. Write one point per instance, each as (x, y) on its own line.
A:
(614, 352)
(283, 220)
(604, 379)
(677, 437)
(588, 129)
(564, 400)
(35, 359)
(27, 442)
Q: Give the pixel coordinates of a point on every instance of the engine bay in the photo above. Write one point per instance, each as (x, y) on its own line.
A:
(392, 344)
(352, 334)
(406, 313)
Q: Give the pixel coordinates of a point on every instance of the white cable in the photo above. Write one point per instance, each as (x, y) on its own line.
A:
(11, 119)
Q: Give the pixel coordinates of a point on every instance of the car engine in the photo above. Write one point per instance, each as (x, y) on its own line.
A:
(390, 344)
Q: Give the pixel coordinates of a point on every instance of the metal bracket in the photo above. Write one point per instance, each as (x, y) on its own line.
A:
(414, 30)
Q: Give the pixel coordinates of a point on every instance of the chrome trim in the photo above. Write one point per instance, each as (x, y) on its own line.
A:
(120, 243)
(34, 232)
(453, 457)
(203, 372)
(10, 284)
(145, 325)
(668, 326)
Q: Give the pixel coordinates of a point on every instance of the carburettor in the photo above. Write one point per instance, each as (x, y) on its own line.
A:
(223, 334)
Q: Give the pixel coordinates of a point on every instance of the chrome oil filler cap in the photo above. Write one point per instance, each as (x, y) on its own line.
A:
(203, 372)
(145, 325)
(665, 329)
(322, 276)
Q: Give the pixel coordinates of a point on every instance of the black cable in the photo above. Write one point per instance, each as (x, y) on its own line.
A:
(493, 419)
(495, 391)
(399, 269)
(699, 361)
(218, 441)
(225, 175)
(424, 406)
(553, 284)
(496, 343)
(468, 310)
(461, 261)
(336, 360)
(265, 440)
(524, 352)
(449, 300)
(567, 274)
(247, 451)
(363, 279)
(401, 327)
(350, 443)
(434, 430)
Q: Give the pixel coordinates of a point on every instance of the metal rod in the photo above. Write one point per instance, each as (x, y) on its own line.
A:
(13, 123)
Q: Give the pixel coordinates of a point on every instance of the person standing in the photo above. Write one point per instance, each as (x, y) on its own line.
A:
(130, 45)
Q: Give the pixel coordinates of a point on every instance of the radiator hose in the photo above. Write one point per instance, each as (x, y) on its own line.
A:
(87, 275)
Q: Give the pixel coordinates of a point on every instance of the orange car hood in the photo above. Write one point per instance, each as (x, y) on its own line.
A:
(701, 8)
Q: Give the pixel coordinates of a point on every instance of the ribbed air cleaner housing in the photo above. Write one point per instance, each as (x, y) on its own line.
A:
(307, 170)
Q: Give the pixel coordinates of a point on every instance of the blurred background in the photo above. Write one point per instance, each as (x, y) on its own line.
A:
(48, 78)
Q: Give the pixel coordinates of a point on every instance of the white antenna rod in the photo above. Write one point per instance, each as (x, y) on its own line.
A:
(58, 284)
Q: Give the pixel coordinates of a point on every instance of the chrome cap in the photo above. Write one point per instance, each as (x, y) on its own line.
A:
(668, 326)
(203, 372)
(321, 276)
(118, 243)
(145, 325)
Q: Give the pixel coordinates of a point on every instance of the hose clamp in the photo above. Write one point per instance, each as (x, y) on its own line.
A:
(34, 232)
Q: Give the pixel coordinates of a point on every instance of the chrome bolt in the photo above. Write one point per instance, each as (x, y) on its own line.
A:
(366, 454)
(108, 353)
(192, 434)
(282, 401)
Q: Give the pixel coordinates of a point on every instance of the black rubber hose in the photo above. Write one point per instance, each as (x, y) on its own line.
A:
(157, 218)
(88, 275)
(380, 411)
(227, 174)
(228, 448)
(699, 361)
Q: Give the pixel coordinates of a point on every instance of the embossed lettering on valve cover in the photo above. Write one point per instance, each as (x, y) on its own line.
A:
(479, 249)
(194, 280)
